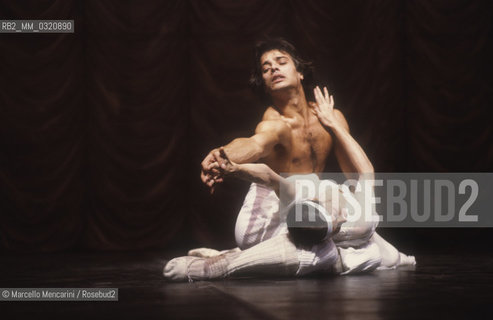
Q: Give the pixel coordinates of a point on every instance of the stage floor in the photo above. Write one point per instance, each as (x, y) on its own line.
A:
(446, 286)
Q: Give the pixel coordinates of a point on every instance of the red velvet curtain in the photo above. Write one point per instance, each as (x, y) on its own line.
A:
(102, 131)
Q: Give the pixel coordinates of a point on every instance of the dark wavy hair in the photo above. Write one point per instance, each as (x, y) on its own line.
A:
(303, 66)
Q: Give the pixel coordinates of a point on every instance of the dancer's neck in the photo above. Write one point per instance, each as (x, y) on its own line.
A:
(292, 103)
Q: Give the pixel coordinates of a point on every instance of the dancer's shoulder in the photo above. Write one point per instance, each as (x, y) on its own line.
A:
(271, 113)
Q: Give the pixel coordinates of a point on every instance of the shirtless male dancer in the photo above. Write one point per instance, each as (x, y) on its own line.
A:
(279, 248)
(292, 137)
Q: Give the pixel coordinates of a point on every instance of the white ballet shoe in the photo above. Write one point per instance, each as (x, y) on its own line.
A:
(406, 260)
(204, 252)
(177, 269)
(360, 260)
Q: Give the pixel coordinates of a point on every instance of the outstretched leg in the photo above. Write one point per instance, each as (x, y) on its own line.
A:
(208, 252)
(276, 256)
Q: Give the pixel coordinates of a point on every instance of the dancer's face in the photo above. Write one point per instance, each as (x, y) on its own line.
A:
(279, 71)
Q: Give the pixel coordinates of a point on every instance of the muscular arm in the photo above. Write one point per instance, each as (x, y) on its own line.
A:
(268, 134)
(255, 172)
(350, 155)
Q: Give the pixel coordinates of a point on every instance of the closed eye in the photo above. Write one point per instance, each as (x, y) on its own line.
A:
(282, 60)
